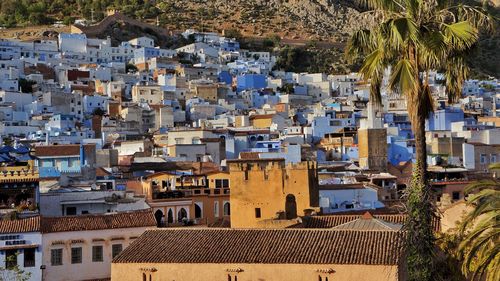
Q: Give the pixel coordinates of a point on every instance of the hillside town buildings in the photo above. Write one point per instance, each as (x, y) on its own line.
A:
(213, 165)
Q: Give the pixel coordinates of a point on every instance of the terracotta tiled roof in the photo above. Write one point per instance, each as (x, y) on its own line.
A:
(265, 246)
(330, 221)
(249, 155)
(261, 116)
(101, 172)
(20, 225)
(368, 222)
(221, 223)
(98, 222)
(63, 149)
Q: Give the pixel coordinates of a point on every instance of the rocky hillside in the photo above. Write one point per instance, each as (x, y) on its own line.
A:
(298, 19)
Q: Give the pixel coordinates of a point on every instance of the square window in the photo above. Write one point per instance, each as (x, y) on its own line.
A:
(10, 259)
(483, 158)
(116, 249)
(29, 257)
(257, 213)
(97, 254)
(456, 195)
(76, 255)
(70, 211)
(56, 257)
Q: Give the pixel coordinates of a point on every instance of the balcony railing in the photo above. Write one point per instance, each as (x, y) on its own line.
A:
(182, 193)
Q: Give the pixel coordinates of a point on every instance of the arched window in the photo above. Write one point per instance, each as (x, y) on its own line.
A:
(181, 214)
(227, 209)
(170, 216)
(197, 211)
(290, 207)
(159, 218)
(144, 277)
(228, 277)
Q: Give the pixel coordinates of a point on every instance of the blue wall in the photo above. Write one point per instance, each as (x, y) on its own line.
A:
(399, 151)
(251, 81)
(441, 120)
(225, 77)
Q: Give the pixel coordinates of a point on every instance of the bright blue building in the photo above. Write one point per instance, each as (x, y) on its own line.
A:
(441, 119)
(399, 150)
(251, 81)
(225, 77)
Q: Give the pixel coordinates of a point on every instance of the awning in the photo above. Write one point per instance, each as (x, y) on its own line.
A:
(14, 247)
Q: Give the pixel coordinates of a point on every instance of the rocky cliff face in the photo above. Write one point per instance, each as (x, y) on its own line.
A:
(304, 19)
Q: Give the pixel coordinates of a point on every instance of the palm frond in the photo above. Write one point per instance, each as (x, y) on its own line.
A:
(403, 77)
(456, 72)
(360, 43)
(477, 16)
(461, 35)
(401, 30)
(386, 5)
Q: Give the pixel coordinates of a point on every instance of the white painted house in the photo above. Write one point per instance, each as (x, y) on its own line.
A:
(21, 246)
(83, 246)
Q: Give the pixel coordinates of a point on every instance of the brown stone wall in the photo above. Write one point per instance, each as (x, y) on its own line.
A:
(372, 145)
(265, 186)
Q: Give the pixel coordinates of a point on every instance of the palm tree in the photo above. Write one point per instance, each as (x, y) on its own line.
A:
(480, 248)
(412, 38)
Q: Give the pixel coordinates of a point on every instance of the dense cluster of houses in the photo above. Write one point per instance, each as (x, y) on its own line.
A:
(214, 165)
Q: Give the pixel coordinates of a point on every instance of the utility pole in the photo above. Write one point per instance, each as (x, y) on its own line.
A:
(92, 15)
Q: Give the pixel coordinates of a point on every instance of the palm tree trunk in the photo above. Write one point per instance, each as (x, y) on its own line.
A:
(420, 234)
(418, 126)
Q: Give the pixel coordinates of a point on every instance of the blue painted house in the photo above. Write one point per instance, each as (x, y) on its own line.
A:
(399, 150)
(54, 160)
(230, 46)
(402, 122)
(441, 119)
(251, 81)
(225, 77)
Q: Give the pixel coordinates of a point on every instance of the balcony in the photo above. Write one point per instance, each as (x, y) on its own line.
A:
(16, 174)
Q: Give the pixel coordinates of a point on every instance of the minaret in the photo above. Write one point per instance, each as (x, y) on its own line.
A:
(372, 142)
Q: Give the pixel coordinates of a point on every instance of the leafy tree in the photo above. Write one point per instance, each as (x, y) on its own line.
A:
(414, 37)
(131, 68)
(99, 111)
(293, 59)
(68, 20)
(233, 33)
(13, 272)
(480, 248)
(26, 86)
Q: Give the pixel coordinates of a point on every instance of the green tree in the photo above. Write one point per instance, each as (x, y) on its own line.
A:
(131, 68)
(480, 247)
(26, 86)
(414, 37)
(13, 271)
(233, 33)
(68, 20)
